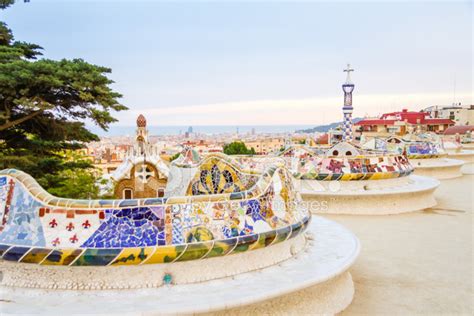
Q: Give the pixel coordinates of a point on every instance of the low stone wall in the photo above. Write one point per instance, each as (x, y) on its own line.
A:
(369, 197)
(438, 168)
(328, 298)
(465, 155)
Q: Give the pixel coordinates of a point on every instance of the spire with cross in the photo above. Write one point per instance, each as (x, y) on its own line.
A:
(348, 87)
(348, 70)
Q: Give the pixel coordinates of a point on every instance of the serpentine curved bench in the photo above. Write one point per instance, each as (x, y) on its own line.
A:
(456, 151)
(346, 179)
(52, 242)
(429, 158)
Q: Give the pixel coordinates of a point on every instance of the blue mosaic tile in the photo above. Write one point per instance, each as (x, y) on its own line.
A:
(128, 203)
(23, 226)
(15, 253)
(130, 227)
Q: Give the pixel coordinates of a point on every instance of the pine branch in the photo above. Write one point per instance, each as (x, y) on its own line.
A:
(20, 120)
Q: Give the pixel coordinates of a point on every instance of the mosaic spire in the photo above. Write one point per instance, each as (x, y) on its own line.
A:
(347, 87)
(142, 134)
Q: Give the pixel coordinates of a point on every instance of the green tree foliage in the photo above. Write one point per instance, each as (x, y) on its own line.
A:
(238, 148)
(6, 3)
(43, 106)
(174, 157)
(75, 184)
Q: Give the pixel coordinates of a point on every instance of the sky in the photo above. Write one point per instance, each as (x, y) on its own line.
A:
(260, 63)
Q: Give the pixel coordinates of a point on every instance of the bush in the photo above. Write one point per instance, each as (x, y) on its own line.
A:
(238, 148)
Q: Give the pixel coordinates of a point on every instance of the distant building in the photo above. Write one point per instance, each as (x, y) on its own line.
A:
(201, 146)
(263, 146)
(323, 139)
(400, 123)
(143, 174)
(336, 135)
(190, 130)
(460, 115)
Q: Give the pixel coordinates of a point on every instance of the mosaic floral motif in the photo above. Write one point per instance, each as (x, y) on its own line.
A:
(68, 228)
(218, 176)
(126, 232)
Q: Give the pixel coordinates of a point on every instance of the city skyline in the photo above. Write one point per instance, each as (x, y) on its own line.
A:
(261, 64)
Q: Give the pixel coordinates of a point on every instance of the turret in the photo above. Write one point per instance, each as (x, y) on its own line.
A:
(347, 87)
(142, 134)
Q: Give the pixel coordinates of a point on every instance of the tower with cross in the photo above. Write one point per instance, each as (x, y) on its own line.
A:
(143, 173)
(347, 87)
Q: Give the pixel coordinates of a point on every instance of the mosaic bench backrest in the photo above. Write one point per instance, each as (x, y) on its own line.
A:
(37, 227)
(217, 174)
(422, 150)
(417, 149)
(307, 165)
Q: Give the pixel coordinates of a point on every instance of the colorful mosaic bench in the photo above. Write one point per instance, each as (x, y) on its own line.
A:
(417, 148)
(349, 179)
(228, 217)
(306, 164)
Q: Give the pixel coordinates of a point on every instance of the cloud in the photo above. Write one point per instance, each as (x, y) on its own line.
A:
(313, 111)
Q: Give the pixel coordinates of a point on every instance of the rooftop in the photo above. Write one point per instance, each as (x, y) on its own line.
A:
(410, 117)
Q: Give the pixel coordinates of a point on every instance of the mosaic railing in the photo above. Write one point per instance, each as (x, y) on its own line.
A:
(37, 227)
(308, 165)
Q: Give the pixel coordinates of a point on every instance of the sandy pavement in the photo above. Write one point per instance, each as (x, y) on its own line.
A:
(417, 262)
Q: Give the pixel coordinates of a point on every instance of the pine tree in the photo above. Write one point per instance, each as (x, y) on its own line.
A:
(43, 106)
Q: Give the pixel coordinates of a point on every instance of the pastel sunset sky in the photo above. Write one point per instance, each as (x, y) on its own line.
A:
(265, 63)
